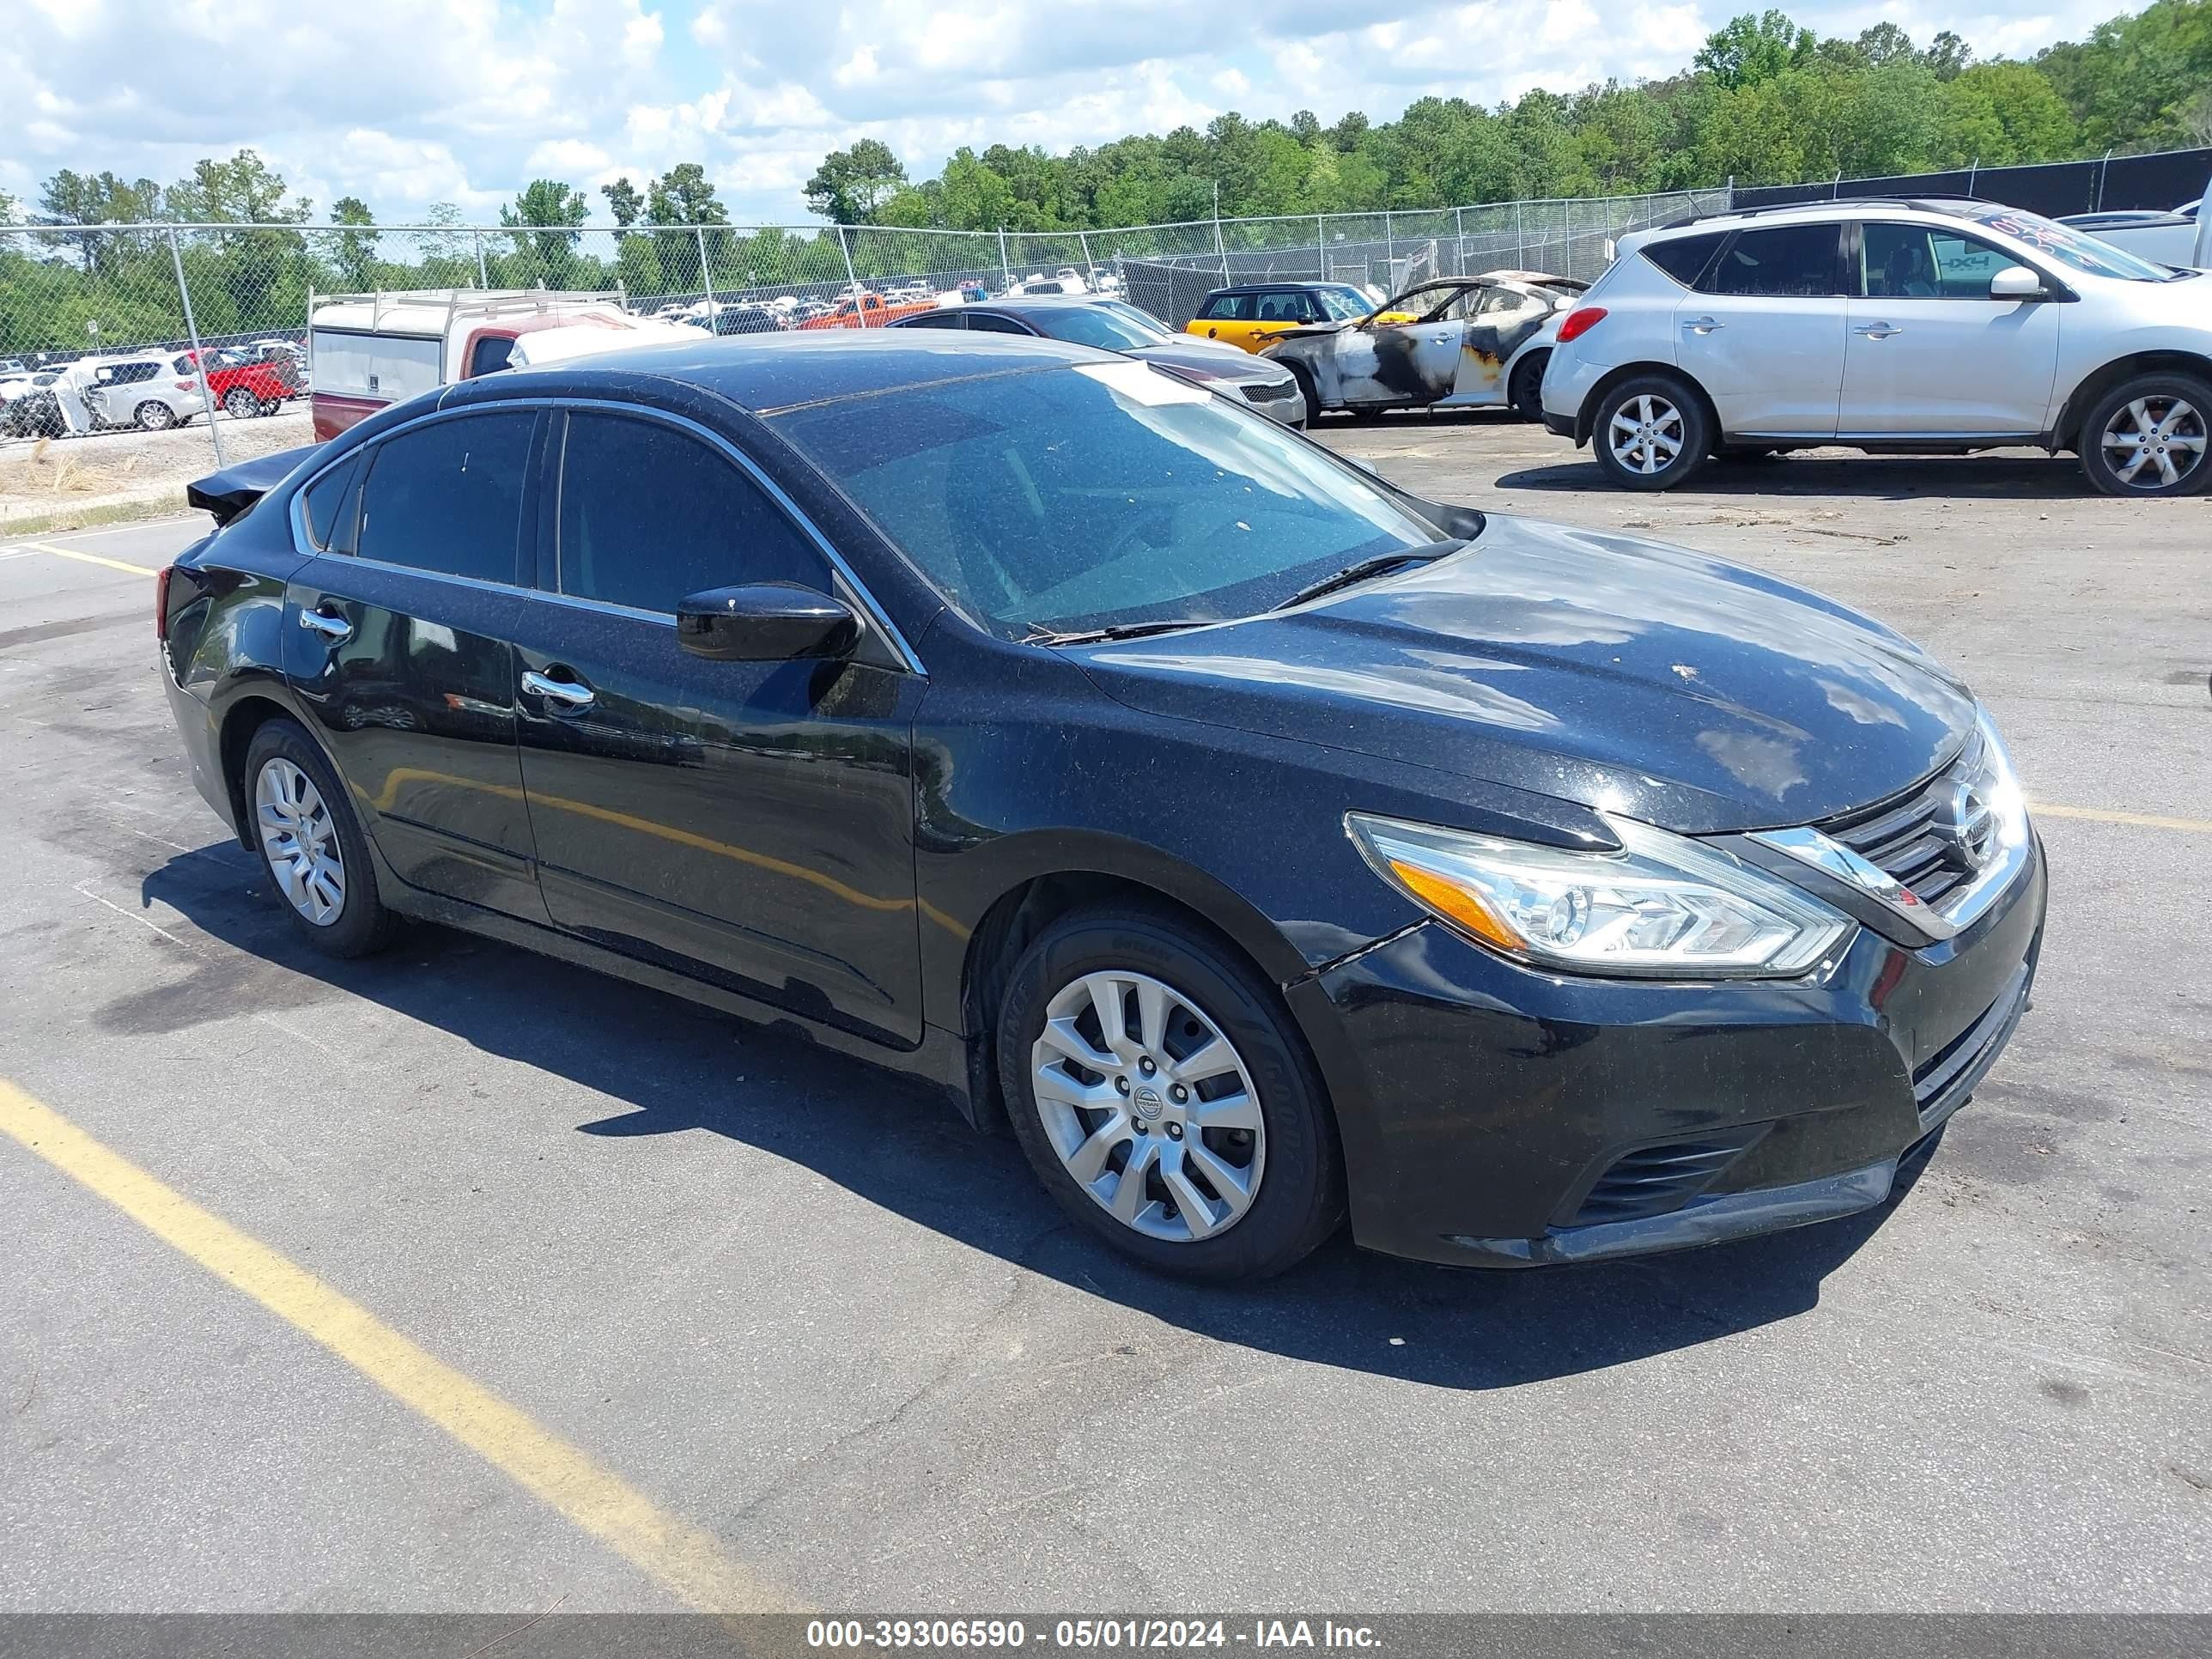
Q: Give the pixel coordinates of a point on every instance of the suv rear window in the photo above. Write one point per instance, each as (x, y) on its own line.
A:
(1685, 257)
(1785, 262)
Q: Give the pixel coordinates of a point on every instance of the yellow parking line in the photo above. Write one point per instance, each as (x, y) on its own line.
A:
(2140, 820)
(91, 558)
(683, 1559)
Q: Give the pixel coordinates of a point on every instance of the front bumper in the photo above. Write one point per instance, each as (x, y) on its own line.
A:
(1492, 1116)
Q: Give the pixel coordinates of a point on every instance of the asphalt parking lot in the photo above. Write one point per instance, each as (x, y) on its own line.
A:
(600, 1301)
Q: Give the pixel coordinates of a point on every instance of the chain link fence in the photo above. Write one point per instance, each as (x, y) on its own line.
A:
(154, 326)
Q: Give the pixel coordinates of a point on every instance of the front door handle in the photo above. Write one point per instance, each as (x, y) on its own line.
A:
(1703, 324)
(569, 694)
(1877, 332)
(336, 629)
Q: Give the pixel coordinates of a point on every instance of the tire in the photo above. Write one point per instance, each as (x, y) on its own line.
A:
(1524, 392)
(281, 756)
(1272, 1147)
(154, 416)
(1636, 457)
(238, 403)
(270, 406)
(1304, 376)
(2156, 426)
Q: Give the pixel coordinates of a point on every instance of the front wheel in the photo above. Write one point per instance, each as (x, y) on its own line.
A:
(1162, 1097)
(311, 844)
(1651, 433)
(156, 416)
(1307, 393)
(2148, 435)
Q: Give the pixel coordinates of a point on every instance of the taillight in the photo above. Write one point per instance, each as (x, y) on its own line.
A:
(1580, 322)
(187, 386)
(162, 602)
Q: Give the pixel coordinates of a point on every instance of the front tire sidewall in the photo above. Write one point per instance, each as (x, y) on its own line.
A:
(363, 924)
(1697, 432)
(156, 416)
(1299, 1201)
(2099, 470)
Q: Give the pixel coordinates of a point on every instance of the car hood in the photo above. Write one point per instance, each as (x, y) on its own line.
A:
(1609, 671)
(1212, 359)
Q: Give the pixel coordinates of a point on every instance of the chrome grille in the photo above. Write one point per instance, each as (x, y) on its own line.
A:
(1922, 838)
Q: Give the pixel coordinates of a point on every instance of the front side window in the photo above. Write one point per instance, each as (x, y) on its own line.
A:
(991, 322)
(650, 515)
(1786, 262)
(1916, 262)
(1345, 304)
(448, 496)
(934, 320)
(1089, 495)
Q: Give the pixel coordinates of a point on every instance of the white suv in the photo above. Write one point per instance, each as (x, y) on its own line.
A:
(1911, 325)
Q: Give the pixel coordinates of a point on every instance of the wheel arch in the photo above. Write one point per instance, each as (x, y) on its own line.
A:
(246, 712)
(1586, 416)
(2066, 430)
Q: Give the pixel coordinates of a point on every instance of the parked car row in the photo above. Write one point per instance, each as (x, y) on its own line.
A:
(1040, 720)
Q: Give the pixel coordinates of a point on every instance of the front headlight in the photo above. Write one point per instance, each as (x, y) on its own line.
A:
(1662, 906)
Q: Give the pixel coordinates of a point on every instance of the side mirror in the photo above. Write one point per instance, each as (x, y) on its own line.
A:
(765, 622)
(2017, 282)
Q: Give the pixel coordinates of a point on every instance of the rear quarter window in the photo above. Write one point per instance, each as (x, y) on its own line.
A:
(1684, 257)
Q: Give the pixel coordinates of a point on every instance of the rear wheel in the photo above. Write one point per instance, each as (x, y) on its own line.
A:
(1651, 433)
(1525, 391)
(1162, 1096)
(311, 844)
(154, 416)
(2148, 436)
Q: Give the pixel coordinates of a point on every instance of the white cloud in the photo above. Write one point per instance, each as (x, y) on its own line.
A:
(410, 102)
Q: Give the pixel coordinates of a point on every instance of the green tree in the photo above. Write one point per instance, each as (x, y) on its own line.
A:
(102, 199)
(850, 185)
(682, 196)
(356, 250)
(623, 202)
(1746, 50)
(547, 253)
(1998, 114)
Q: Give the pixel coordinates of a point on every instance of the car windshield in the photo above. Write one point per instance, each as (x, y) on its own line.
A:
(1345, 305)
(1098, 495)
(1143, 319)
(2070, 247)
(1091, 325)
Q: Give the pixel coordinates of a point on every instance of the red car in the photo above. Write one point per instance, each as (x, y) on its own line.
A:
(241, 384)
(867, 311)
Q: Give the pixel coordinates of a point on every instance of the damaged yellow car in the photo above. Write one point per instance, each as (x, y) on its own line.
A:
(1252, 313)
(1452, 343)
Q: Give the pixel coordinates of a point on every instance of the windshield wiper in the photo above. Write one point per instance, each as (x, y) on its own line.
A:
(1135, 630)
(1381, 564)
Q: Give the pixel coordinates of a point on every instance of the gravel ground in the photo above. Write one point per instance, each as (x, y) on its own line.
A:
(791, 1301)
(101, 474)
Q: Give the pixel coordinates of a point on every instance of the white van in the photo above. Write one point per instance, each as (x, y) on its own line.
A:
(367, 350)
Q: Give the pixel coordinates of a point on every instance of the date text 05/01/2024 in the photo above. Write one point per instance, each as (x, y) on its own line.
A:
(1135, 1633)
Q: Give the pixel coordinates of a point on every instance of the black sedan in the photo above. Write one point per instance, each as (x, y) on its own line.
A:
(1117, 325)
(1259, 841)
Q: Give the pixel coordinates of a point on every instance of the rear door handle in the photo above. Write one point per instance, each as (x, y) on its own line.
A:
(1878, 330)
(335, 629)
(1703, 324)
(569, 694)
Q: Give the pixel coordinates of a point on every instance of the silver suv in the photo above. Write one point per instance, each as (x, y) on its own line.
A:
(1920, 325)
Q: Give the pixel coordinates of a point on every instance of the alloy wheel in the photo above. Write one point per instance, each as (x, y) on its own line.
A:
(2162, 436)
(1645, 435)
(156, 416)
(1148, 1104)
(300, 840)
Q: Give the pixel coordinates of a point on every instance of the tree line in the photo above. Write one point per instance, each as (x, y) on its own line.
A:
(1764, 101)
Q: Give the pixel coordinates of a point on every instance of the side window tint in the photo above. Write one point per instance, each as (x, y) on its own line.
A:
(1228, 308)
(649, 514)
(321, 502)
(448, 496)
(984, 322)
(493, 352)
(1685, 257)
(1965, 266)
(1787, 262)
(935, 319)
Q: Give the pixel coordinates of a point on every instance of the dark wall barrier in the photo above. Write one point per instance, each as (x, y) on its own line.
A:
(2162, 180)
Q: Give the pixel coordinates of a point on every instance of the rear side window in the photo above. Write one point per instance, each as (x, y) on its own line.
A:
(1685, 257)
(323, 502)
(984, 322)
(1787, 262)
(1227, 308)
(649, 515)
(448, 496)
(935, 319)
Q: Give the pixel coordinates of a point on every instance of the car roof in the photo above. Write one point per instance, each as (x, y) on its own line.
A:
(1946, 207)
(762, 373)
(1276, 288)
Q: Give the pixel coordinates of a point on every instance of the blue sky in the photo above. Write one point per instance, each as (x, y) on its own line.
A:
(407, 102)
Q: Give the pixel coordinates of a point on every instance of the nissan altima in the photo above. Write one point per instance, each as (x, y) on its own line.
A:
(1262, 844)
